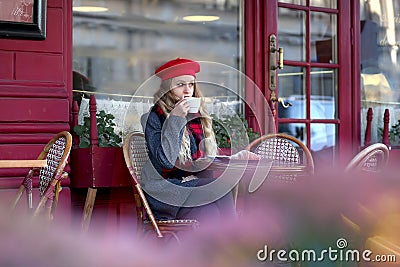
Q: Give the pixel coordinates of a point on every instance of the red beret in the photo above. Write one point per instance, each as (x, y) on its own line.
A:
(177, 67)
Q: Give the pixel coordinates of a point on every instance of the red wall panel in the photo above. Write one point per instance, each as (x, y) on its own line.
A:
(40, 110)
(34, 91)
(20, 151)
(7, 65)
(18, 138)
(39, 67)
(18, 127)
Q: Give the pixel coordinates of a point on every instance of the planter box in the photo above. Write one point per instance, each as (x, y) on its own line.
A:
(224, 151)
(99, 167)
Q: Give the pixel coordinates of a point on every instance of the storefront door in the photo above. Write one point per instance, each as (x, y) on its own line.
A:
(307, 70)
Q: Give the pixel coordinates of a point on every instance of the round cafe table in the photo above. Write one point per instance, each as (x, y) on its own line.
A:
(221, 166)
(252, 179)
(252, 172)
(241, 176)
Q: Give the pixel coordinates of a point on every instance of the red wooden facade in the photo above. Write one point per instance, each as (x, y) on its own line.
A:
(35, 94)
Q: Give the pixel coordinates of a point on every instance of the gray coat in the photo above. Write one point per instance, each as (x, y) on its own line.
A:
(163, 139)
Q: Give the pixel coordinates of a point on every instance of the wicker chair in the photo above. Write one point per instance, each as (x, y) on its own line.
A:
(291, 158)
(56, 153)
(372, 159)
(135, 154)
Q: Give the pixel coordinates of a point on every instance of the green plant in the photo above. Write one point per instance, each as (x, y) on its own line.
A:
(106, 132)
(394, 133)
(232, 131)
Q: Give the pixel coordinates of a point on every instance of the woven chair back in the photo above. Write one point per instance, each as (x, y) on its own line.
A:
(56, 153)
(138, 156)
(290, 156)
(373, 158)
(280, 150)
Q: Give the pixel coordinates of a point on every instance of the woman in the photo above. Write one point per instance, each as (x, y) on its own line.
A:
(176, 138)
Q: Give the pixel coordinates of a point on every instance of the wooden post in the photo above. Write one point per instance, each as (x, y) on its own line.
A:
(367, 137)
(75, 137)
(385, 135)
(88, 209)
(91, 194)
(93, 122)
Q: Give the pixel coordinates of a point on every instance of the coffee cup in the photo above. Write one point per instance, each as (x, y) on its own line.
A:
(194, 104)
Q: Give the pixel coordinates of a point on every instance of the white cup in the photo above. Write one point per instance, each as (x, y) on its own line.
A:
(194, 104)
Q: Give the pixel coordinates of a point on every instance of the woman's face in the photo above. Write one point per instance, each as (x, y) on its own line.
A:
(183, 86)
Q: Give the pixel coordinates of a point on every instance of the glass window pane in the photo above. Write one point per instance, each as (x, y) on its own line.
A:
(323, 144)
(324, 3)
(323, 93)
(292, 32)
(120, 48)
(297, 130)
(115, 51)
(291, 82)
(296, 2)
(323, 136)
(323, 39)
(380, 67)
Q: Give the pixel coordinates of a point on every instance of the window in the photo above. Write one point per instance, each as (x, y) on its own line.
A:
(380, 68)
(118, 45)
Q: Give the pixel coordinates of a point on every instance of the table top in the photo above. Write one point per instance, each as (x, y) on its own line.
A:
(22, 163)
(221, 163)
(252, 172)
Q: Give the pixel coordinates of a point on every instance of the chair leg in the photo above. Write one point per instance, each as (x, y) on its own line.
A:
(17, 197)
(174, 235)
(87, 211)
(30, 201)
(40, 206)
(235, 193)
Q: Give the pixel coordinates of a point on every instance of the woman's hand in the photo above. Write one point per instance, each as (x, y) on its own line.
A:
(181, 108)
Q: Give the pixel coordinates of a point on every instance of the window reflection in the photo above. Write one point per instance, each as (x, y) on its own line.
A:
(317, 3)
(324, 3)
(323, 37)
(297, 130)
(115, 51)
(296, 2)
(292, 88)
(380, 40)
(324, 136)
(323, 93)
(120, 48)
(291, 32)
(323, 143)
